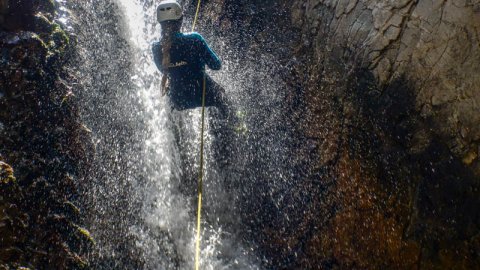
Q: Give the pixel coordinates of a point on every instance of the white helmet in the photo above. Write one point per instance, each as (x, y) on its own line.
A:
(169, 10)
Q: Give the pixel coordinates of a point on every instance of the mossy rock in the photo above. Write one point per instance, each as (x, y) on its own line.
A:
(28, 40)
(47, 6)
(52, 34)
(71, 210)
(59, 36)
(77, 263)
(84, 234)
(6, 174)
(42, 24)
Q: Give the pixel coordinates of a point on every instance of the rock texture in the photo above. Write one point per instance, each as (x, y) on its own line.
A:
(432, 44)
(382, 98)
(42, 139)
(384, 101)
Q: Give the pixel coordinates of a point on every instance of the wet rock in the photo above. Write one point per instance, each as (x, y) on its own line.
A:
(3, 10)
(391, 106)
(40, 138)
(46, 6)
(18, 14)
(6, 173)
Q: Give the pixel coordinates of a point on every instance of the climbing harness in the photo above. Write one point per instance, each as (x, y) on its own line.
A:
(200, 177)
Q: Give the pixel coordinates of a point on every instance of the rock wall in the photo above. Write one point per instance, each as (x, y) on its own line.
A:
(42, 139)
(432, 44)
(409, 108)
(383, 98)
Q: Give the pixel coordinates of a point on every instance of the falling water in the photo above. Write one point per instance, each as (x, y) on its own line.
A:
(166, 210)
(142, 190)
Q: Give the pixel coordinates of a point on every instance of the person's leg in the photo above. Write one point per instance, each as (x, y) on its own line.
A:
(217, 97)
(220, 117)
(225, 114)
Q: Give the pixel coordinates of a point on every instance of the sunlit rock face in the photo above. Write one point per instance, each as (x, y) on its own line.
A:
(42, 140)
(384, 100)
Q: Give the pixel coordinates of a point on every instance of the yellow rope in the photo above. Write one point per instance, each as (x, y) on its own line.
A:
(200, 181)
(200, 178)
(196, 15)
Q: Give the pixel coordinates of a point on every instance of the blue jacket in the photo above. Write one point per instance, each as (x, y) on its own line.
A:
(188, 56)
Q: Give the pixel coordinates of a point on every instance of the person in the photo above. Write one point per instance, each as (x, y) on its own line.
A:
(182, 59)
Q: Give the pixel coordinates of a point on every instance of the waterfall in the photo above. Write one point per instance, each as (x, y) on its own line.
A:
(141, 196)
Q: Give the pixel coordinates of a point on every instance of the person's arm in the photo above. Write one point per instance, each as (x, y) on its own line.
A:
(157, 55)
(208, 55)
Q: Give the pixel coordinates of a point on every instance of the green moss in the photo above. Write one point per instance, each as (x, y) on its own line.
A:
(85, 234)
(40, 40)
(72, 208)
(42, 24)
(60, 37)
(51, 34)
(6, 174)
(58, 32)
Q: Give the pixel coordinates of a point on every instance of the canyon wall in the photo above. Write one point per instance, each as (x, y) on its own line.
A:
(44, 148)
(384, 99)
(381, 99)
